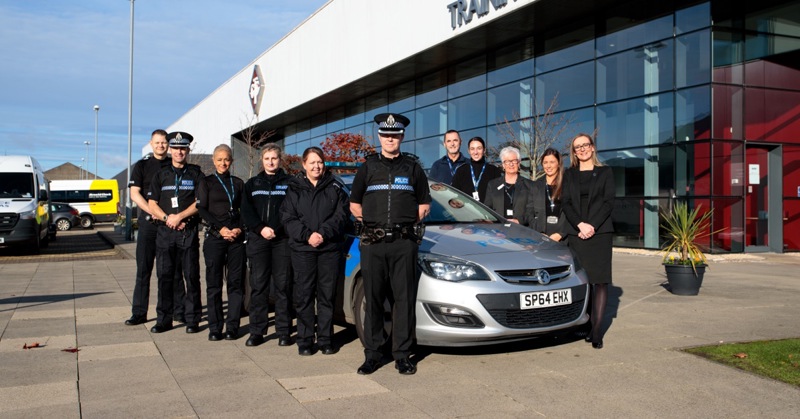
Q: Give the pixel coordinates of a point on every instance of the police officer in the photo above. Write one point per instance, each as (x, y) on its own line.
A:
(172, 202)
(142, 174)
(268, 248)
(219, 201)
(390, 196)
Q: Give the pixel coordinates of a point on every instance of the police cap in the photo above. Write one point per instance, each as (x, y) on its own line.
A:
(389, 123)
(179, 139)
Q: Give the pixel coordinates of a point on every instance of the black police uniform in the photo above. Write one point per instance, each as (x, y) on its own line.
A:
(141, 176)
(324, 209)
(263, 196)
(177, 246)
(390, 192)
(219, 201)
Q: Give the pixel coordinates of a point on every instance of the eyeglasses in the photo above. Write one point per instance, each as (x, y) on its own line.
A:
(510, 162)
(582, 146)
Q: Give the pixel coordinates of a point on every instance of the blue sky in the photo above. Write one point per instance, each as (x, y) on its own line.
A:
(60, 58)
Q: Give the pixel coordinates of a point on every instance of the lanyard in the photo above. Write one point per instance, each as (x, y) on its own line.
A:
(472, 172)
(550, 198)
(452, 169)
(230, 194)
(178, 180)
(509, 192)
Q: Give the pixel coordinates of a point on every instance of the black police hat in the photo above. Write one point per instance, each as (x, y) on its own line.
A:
(389, 123)
(179, 139)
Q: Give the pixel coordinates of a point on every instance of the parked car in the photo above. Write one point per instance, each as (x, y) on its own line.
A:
(482, 279)
(64, 216)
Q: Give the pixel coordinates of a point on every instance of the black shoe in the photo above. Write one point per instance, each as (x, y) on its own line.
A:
(254, 340)
(179, 319)
(215, 336)
(134, 320)
(229, 335)
(192, 328)
(285, 341)
(405, 366)
(369, 366)
(305, 350)
(161, 328)
(328, 349)
(598, 344)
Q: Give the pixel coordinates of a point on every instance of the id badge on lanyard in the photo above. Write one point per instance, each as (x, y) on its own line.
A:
(174, 200)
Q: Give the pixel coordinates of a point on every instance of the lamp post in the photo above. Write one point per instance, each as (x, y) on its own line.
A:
(96, 112)
(128, 209)
(87, 158)
(80, 172)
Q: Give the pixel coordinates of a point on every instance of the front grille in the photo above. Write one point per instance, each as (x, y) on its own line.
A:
(8, 220)
(537, 318)
(529, 275)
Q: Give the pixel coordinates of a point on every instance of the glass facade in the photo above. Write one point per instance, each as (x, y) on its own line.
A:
(676, 104)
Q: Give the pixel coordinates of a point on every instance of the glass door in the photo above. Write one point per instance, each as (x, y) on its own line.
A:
(763, 210)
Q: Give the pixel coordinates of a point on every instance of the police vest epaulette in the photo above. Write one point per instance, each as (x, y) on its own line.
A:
(412, 156)
(373, 156)
(147, 156)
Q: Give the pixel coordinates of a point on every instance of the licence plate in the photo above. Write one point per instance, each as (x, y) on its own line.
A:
(543, 299)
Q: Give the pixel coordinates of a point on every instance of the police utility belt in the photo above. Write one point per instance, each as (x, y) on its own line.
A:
(191, 222)
(388, 234)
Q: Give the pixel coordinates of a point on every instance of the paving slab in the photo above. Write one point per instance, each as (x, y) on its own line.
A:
(124, 371)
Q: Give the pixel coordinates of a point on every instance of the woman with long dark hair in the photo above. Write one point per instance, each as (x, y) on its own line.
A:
(315, 214)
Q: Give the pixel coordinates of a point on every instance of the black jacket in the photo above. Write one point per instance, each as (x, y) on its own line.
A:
(462, 180)
(263, 196)
(324, 209)
(524, 192)
(215, 206)
(601, 200)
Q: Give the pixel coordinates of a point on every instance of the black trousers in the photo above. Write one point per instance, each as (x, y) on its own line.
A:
(145, 259)
(269, 258)
(390, 271)
(178, 248)
(315, 275)
(220, 254)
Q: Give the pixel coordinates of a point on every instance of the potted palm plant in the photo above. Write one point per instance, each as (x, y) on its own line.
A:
(684, 260)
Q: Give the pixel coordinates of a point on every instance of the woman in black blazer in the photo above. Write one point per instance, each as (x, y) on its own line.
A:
(510, 195)
(545, 202)
(588, 199)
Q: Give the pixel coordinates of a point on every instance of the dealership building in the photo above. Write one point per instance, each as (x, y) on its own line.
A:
(692, 101)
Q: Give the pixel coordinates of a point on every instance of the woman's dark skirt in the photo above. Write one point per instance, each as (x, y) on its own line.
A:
(594, 255)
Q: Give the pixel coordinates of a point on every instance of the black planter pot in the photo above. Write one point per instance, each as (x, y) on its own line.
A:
(682, 279)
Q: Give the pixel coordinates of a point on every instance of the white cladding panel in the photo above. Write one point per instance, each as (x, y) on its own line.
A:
(343, 41)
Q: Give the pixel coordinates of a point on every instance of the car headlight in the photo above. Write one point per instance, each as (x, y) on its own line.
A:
(451, 269)
(27, 215)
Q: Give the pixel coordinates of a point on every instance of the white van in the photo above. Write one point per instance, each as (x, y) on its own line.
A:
(24, 203)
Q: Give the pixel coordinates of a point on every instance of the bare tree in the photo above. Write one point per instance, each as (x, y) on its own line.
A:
(251, 140)
(534, 135)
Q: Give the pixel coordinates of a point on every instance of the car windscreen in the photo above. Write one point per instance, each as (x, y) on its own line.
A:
(449, 205)
(16, 185)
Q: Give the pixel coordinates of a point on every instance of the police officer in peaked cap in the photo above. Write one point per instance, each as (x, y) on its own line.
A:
(172, 202)
(142, 174)
(390, 197)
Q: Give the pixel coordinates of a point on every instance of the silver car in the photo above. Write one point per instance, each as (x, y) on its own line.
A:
(482, 279)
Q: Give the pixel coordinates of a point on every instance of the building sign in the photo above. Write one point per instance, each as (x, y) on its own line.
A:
(754, 174)
(462, 11)
(256, 89)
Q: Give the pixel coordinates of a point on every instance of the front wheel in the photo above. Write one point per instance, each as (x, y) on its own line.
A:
(63, 224)
(87, 221)
(360, 309)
